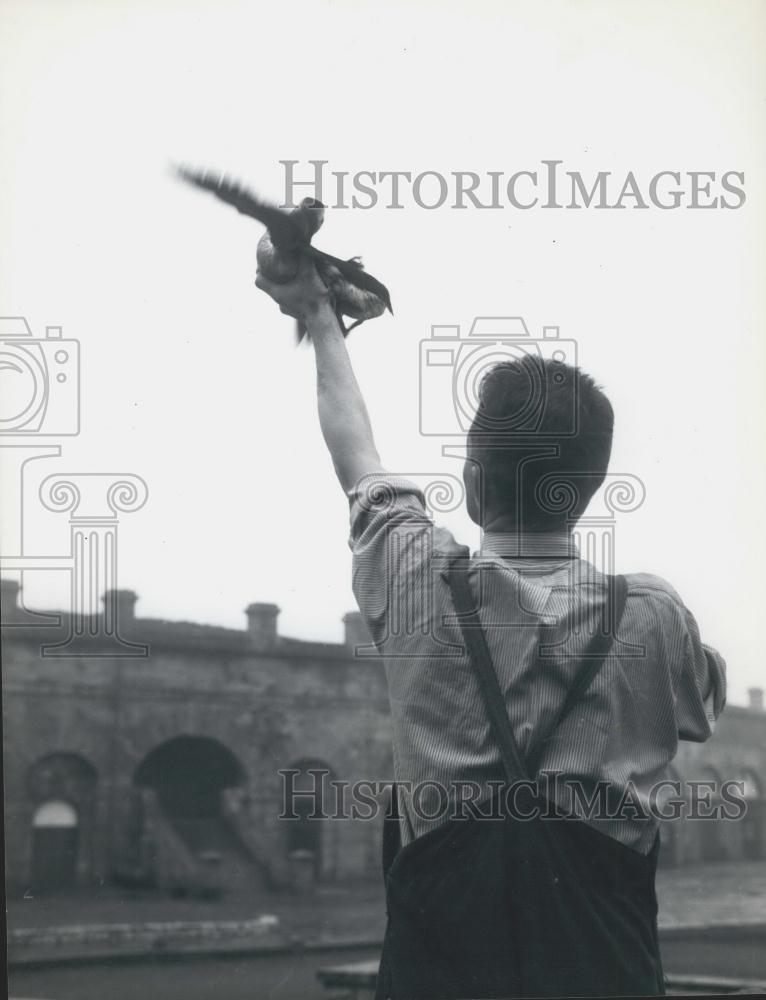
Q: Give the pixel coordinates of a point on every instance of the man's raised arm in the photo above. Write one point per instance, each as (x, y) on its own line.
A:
(343, 415)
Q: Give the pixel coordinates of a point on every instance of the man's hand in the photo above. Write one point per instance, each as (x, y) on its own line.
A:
(301, 298)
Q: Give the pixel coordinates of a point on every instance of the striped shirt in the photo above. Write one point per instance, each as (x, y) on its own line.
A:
(659, 685)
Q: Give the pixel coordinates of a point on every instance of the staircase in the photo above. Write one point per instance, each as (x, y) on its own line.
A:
(238, 869)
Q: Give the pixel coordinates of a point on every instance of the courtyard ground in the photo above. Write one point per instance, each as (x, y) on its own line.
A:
(699, 895)
(726, 903)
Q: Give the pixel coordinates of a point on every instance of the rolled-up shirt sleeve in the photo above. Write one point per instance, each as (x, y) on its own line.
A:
(380, 501)
(701, 693)
(392, 539)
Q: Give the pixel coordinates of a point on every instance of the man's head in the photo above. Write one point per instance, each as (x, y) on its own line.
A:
(527, 406)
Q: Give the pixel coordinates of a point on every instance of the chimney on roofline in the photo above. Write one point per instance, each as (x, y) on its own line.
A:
(262, 624)
(9, 595)
(121, 604)
(356, 633)
(755, 696)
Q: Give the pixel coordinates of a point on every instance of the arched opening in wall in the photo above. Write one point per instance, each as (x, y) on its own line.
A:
(310, 802)
(188, 775)
(711, 831)
(62, 792)
(54, 846)
(189, 835)
(668, 797)
(754, 820)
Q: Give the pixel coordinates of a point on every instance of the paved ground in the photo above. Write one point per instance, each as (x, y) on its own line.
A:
(350, 911)
(720, 894)
(278, 977)
(293, 977)
(711, 894)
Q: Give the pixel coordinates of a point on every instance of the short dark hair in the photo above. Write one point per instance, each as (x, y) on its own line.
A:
(530, 402)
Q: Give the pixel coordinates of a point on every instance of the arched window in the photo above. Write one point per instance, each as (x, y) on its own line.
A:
(667, 795)
(309, 796)
(752, 785)
(62, 776)
(61, 789)
(54, 846)
(711, 832)
(754, 820)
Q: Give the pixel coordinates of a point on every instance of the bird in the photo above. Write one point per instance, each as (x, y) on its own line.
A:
(355, 293)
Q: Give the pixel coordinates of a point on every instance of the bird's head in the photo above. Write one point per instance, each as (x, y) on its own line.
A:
(310, 213)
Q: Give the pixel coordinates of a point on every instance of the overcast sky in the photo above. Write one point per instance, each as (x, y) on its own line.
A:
(190, 378)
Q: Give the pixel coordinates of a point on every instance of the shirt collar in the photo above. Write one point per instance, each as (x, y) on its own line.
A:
(531, 544)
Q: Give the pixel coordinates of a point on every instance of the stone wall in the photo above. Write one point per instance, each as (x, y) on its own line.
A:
(272, 702)
(269, 706)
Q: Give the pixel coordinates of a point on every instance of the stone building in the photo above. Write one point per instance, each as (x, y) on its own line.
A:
(137, 750)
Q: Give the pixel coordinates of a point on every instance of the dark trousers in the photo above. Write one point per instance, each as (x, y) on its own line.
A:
(514, 908)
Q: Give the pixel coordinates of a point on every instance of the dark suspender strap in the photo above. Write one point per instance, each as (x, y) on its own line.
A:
(478, 653)
(594, 657)
(600, 645)
(481, 660)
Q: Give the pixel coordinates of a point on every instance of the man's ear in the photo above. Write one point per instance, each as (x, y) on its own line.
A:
(474, 493)
(474, 472)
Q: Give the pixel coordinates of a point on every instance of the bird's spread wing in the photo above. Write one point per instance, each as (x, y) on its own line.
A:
(353, 271)
(283, 228)
(285, 232)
